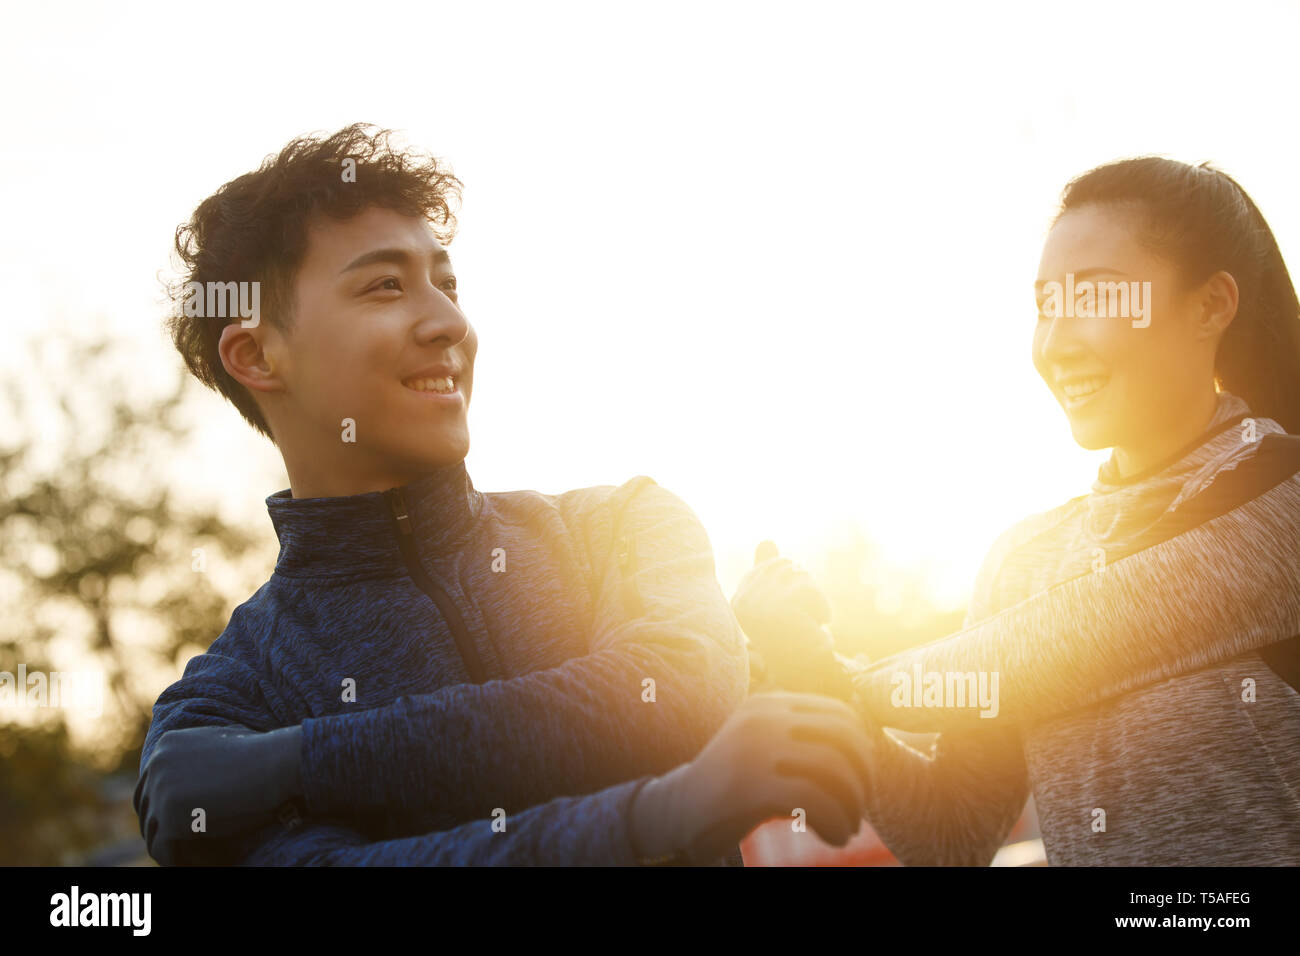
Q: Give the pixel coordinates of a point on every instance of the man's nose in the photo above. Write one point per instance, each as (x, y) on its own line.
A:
(441, 319)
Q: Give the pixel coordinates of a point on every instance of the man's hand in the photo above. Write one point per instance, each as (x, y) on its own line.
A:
(776, 753)
(785, 616)
(236, 776)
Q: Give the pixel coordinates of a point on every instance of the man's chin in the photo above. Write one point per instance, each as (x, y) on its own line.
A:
(444, 452)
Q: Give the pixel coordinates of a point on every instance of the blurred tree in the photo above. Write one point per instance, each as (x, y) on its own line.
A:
(98, 572)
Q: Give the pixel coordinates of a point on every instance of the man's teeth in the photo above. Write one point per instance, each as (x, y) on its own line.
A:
(1085, 387)
(443, 385)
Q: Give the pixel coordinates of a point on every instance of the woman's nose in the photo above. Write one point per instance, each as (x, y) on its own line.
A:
(1058, 340)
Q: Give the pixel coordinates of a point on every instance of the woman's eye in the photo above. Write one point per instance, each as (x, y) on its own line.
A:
(450, 284)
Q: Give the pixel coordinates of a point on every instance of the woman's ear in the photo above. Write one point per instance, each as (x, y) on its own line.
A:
(1219, 300)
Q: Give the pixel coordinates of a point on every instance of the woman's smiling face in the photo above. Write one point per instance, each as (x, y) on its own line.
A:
(1130, 383)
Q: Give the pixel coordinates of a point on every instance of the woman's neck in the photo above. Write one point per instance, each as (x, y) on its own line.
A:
(1131, 459)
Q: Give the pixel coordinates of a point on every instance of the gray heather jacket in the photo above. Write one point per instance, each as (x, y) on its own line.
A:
(1145, 706)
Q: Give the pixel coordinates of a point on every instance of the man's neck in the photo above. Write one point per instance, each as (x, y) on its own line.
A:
(320, 478)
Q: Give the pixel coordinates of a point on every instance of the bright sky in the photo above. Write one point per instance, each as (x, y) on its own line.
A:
(777, 257)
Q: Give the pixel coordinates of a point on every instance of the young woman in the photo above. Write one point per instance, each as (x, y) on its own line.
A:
(1146, 683)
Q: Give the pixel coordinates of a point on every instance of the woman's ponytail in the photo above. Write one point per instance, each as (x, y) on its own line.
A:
(1259, 359)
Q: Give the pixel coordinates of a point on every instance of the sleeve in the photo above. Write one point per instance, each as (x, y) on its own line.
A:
(1221, 589)
(954, 803)
(659, 679)
(216, 690)
(567, 831)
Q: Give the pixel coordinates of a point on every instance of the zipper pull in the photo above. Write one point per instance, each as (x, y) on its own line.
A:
(398, 504)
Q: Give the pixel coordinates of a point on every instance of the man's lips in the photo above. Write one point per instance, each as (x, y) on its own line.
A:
(435, 384)
(439, 383)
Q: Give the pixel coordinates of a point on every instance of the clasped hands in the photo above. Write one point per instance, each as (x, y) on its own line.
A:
(804, 740)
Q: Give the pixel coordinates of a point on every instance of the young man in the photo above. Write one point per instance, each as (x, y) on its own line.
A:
(428, 662)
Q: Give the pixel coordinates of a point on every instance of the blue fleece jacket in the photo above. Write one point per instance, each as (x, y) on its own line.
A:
(458, 658)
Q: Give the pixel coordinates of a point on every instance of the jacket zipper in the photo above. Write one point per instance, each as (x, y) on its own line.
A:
(441, 599)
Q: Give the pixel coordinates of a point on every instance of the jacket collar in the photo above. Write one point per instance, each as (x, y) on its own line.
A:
(1120, 508)
(359, 533)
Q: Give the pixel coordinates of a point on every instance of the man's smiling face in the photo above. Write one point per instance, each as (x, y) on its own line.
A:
(378, 337)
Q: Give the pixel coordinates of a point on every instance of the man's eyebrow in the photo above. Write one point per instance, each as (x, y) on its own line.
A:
(396, 256)
(1084, 274)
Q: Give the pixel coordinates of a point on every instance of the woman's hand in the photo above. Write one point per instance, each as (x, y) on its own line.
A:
(785, 616)
(777, 754)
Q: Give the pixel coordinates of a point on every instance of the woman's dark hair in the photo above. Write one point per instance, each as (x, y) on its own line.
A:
(254, 229)
(1199, 218)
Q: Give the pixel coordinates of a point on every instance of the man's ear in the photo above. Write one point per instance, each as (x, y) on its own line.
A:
(1219, 299)
(248, 354)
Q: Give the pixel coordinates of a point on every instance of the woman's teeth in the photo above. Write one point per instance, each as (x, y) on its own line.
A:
(1074, 391)
(443, 386)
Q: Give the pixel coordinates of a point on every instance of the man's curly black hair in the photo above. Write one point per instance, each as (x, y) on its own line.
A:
(254, 229)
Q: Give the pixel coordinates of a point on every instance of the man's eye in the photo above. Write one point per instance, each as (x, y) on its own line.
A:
(392, 283)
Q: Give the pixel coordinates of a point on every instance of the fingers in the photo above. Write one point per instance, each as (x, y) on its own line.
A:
(822, 730)
(849, 720)
(811, 598)
(775, 798)
(779, 798)
(755, 579)
(826, 763)
(839, 727)
(823, 812)
(803, 591)
(786, 702)
(849, 742)
(810, 704)
(827, 767)
(791, 583)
